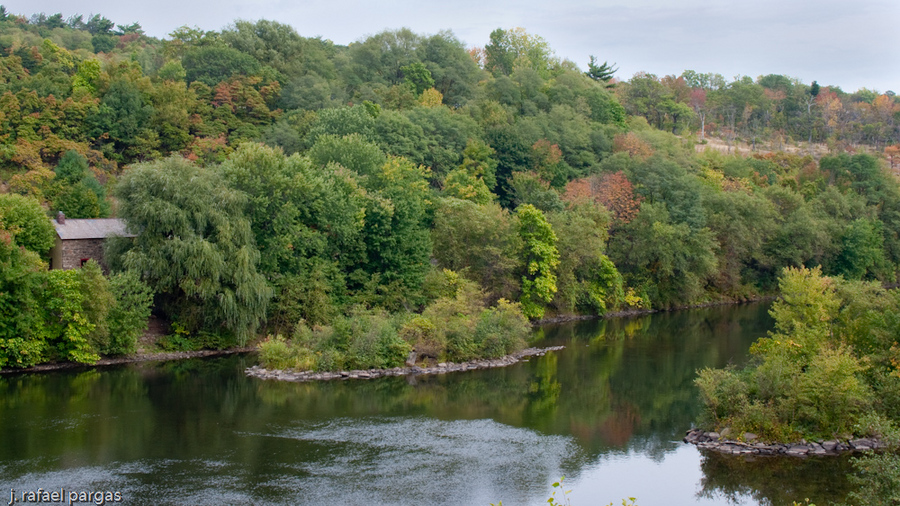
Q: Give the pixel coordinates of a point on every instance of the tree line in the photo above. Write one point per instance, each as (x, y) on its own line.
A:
(278, 184)
(772, 109)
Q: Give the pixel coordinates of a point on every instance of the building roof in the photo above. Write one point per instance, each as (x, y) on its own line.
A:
(100, 228)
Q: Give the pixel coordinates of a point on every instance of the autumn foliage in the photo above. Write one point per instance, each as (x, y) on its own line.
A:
(633, 145)
(893, 155)
(614, 191)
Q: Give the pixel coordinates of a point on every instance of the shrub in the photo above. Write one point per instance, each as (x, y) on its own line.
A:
(501, 330)
(829, 393)
(422, 335)
(96, 301)
(372, 341)
(68, 326)
(276, 353)
(128, 315)
(723, 392)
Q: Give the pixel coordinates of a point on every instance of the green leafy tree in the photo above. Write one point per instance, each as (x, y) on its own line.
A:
(213, 64)
(396, 234)
(479, 161)
(96, 301)
(307, 221)
(23, 329)
(194, 247)
(540, 258)
(668, 260)
(127, 318)
(480, 240)
(516, 48)
(81, 195)
(340, 122)
(587, 280)
(417, 76)
(69, 327)
(527, 188)
(25, 221)
(122, 118)
(462, 185)
(352, 151)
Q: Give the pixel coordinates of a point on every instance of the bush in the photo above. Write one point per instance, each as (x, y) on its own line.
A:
(276, 353)
(422, 335)
(829, 393)
(97, 299)
(453, 319)
(807, 380)
(128, 315)
(455, 329)
(723, 392)
(362, 340)
(372, 341)
(878, 478)
(501, 330)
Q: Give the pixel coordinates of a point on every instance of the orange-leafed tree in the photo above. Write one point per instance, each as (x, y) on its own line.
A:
(614, 191)
(893, 155)
(633, 145)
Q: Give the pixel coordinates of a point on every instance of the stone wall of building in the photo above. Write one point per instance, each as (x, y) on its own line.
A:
(75, 250)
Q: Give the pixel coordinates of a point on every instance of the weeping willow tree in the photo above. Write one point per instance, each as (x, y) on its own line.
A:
(194, 246)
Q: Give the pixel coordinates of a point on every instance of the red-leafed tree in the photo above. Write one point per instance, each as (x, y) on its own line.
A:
(698, 104)
(633, 145)
(614, 191)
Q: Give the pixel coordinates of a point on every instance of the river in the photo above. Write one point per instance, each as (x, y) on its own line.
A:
(608, 413)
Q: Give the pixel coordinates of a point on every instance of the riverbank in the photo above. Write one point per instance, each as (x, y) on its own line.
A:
(750, 446)
(441, 368)
(157, 329)
(128, 359)
(630, 313)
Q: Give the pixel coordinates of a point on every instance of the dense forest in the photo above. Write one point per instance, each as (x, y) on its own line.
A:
(407, 192)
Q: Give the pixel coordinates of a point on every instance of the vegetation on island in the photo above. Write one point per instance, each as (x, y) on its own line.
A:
(829, 371)
(407, 192)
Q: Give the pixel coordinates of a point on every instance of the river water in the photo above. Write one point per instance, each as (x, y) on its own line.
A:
(608, 413)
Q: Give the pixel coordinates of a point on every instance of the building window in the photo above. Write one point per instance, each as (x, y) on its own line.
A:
(84, 261)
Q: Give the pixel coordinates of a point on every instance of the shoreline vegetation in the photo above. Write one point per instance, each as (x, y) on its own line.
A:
(409, 370)
(827, 371)
(824, 381)
(150, 352)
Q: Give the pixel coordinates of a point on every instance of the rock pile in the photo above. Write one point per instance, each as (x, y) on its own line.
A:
(442, 368)
(749, 446)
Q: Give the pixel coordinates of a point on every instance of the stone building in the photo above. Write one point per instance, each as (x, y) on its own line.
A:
(78, 241)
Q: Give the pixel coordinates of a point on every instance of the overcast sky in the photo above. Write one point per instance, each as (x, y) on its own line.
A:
(837, 42)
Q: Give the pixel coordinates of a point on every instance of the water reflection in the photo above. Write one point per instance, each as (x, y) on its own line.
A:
(608, 412)
(775, 480)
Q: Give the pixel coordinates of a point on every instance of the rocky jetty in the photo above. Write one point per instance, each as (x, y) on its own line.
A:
(441, 368)
(748, 445)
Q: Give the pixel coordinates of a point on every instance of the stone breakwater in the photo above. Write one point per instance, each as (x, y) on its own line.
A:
(442, 368)
(749, 446)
